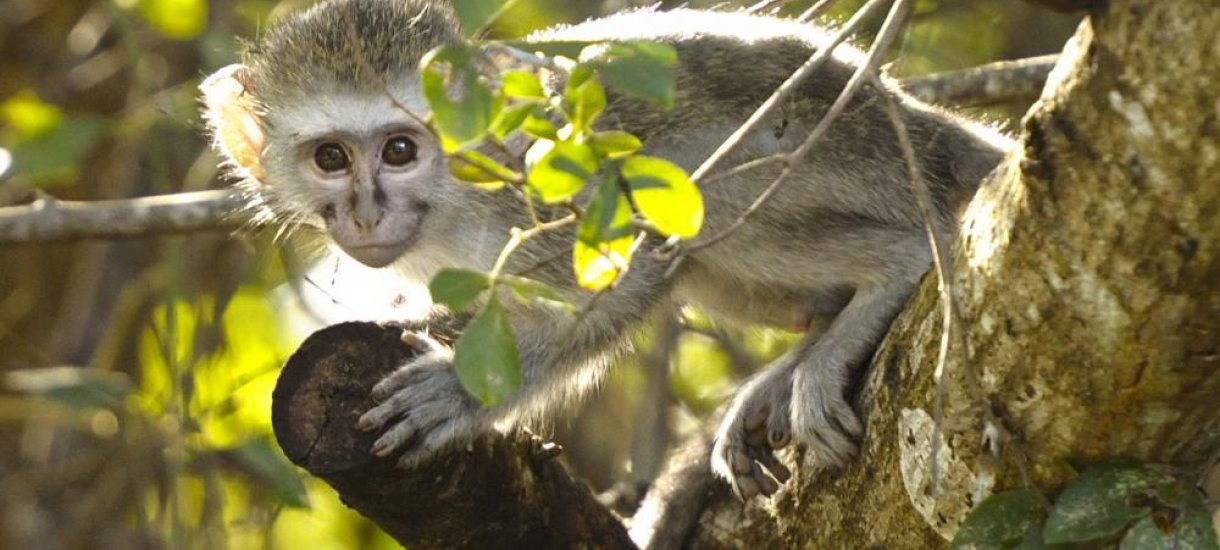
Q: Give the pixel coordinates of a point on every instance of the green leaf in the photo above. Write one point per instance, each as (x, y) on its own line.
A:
(605, 239)
(264, 462)
(475, 167)
(614, 144)
(1102, 502)
(176, 19)
(457, 288)
(561, 169)
(584, 102)
(639, 68)
(665, 195)
(522, 84)
(511, 118)
(474, 15)
(539, 127)
(485, 356)
(529, 288)
(553, 48)
(82, 388)
(1001, 521)
(462, 105)
(55, 155)
(1179, 521)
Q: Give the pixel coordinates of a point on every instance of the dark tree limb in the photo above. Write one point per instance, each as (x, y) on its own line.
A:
(998, 82)
(49, 219)
(503, 491)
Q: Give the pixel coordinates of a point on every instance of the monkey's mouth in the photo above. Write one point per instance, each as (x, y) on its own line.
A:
(377, 255)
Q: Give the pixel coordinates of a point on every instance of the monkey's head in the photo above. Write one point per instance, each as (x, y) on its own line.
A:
(322, 121)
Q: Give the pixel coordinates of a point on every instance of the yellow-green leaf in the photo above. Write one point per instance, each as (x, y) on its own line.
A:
(584, 103)
(614, 144)
(638, 68)
(475, 167)
(474, 15)
(485, 356)
(604, 240)
(522, 84)
(560, 170)
(176, 19)
(665, 195)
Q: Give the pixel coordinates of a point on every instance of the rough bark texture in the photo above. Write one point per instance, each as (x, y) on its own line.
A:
(500, 492)
(1088, 285)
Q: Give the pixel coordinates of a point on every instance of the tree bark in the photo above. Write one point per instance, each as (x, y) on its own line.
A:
(1087, 282)
(503, 491)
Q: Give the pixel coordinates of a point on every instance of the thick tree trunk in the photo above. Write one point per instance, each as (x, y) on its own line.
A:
(1087, 279)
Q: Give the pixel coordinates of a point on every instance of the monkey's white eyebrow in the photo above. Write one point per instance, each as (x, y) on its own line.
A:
(355, 113)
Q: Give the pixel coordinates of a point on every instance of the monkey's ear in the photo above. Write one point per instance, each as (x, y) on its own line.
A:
(232, 116)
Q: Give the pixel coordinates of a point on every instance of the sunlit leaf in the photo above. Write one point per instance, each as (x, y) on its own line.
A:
(639, 68)
(522, 84)
(1102, 501)
(605, 241)
(29, 115)
(1001, 521)
(540, 127)
(55, 155)
(176, 19)
(79, 387)
(561, 169)
(511, 118)
(457, 288)
(614, 144)
(475, 167)
(462, 105)
(485, 356)
(262, 461)
(665, 195)
(585, 102)
(476, 14)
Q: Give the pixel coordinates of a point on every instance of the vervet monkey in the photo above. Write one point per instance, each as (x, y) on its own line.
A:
(323, 122)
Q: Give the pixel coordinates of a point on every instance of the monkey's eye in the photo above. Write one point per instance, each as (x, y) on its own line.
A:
(331, 157)
(398, 151)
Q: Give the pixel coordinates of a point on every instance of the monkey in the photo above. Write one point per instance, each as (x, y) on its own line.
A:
(323, 125)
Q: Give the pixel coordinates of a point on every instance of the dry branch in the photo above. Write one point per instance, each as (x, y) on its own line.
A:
(499, 492)
(49, 219)
(988, 84)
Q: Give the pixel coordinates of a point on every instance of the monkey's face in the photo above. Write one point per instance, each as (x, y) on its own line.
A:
(365, 166)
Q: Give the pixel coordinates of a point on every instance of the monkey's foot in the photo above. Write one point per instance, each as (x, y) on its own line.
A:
(755, 426)
(423, 407)
(822, 419)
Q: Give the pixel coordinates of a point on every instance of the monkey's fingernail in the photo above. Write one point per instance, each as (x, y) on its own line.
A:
(381, 447)
(778, 439)
(366, 423)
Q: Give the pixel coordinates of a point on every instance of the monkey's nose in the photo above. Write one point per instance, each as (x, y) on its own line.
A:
(367, 219)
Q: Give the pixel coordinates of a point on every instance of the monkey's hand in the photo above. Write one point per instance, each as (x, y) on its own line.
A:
(755, 426)
(422, 405)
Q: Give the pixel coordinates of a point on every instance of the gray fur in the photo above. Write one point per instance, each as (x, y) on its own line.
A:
(843, 241)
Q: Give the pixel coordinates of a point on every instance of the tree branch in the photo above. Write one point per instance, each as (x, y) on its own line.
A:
(49, 219)
(988, 84)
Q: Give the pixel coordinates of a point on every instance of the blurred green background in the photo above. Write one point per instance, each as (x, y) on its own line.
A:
(138, 372)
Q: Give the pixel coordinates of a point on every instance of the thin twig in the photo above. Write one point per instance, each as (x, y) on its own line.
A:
(944, 285)
(889, 32)
(747, 166)
(817, 10)
(785, 90)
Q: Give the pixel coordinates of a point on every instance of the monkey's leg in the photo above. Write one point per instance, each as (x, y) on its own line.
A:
(822, 419)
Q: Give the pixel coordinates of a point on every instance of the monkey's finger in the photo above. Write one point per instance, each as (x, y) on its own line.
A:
(779, 430)
(399, 435)
(740, 461)
(757, 437)
(767, 485)
(848, 421)
(769, 461)
(746, 487)
(755, 416)
(397, 380)
(421, 342)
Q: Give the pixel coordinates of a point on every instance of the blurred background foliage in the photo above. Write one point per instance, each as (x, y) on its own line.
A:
(137, 373)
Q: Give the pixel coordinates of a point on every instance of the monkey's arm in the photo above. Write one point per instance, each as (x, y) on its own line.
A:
(425, 411)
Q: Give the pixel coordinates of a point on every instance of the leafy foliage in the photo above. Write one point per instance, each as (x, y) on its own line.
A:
(1147, 506)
